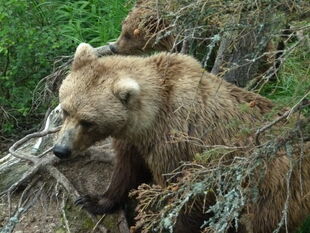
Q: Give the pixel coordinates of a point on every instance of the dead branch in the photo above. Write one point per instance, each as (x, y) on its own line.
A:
(24, 204)
(215, 176)
(63, 204)
(20, 142)
(52, 120)
(185, 46)
(57, 175)
(26, 176)
(46, 164)
(36, 161)
(97, 224)
(122, 222)
(303, 103)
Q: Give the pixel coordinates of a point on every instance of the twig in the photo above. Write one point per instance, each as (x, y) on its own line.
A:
(272, 71)
(302, 103)
(284, 219)
(97, 224)
(22, 207)
(185, 46)
(52, 120)
(63, 204)
(9, 203)
(30, 173)
(122, 222)
(295, 108)
(20, 142)
(45, 152)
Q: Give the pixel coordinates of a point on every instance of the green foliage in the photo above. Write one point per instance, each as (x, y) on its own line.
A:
(305, 227)
(212, 153)
(293, 81)
(33, 34)
(93, 21)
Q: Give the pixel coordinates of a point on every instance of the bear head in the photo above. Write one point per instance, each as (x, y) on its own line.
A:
(139, 32)
(100, 98)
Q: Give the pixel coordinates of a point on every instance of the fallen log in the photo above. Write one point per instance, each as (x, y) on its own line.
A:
(30, 161)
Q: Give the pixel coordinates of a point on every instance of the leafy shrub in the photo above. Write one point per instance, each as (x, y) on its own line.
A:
(33, 34)
(293, 80)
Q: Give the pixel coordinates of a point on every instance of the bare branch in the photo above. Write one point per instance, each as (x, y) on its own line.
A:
(63, 204)
(23, 206)
(303, 103)
(26, 176)
(122, 222)
(97, 224)
(20, 142)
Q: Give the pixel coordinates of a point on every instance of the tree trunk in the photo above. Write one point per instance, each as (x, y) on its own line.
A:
(242, 53)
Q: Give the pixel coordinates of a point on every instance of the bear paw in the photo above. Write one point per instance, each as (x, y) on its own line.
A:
(97, 205)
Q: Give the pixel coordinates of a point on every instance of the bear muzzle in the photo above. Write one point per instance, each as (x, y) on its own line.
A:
(62, 152)
(113, 47)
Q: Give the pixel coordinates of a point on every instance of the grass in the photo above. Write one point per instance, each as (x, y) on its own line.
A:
(293, 81)
(94, 21)
(36, 33)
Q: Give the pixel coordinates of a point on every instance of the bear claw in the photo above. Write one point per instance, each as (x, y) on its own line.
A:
(82, 200)
(95, 205)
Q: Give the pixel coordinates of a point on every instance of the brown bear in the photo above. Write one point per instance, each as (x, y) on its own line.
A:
(139, 31)
(160, 110)
(147, 29)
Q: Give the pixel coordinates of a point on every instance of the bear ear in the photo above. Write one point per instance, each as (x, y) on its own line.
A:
(84, 54)
(126, 90)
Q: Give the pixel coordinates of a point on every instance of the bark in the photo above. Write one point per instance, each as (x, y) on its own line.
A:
(31, 161)
(243, 53)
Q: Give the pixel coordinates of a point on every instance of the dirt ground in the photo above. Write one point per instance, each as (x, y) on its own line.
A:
(43, 217)
(53, 211)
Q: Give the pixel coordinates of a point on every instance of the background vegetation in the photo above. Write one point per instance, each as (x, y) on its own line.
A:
(35, 33)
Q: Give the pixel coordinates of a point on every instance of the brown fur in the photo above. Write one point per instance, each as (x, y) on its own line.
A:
(139, 31)
(267, 211)
(145, 30)
(161, 110)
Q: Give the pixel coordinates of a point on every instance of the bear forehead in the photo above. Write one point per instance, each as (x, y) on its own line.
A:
(80, 108)
(80, 91)
(90, 78)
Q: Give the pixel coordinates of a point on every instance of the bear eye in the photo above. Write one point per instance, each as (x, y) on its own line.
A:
(86, 124)
(65, 113)
(127, 36)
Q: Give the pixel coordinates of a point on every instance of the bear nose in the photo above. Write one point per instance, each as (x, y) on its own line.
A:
(61, 152)
(112, 47)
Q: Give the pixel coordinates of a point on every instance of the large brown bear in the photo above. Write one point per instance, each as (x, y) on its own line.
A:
(162, 110)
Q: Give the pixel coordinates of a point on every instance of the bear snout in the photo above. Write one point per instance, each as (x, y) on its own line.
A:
(113, 47)
(61, 152)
